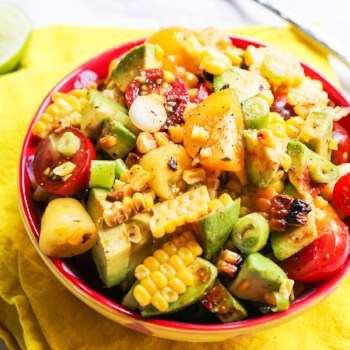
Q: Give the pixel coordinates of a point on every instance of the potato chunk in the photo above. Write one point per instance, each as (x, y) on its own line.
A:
(66, 229)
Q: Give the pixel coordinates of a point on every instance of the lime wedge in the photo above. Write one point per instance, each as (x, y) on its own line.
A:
(15, 28)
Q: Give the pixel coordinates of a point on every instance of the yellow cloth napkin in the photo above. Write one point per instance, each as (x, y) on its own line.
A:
(36, 311)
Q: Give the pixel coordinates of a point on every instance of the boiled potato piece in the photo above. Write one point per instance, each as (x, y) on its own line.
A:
(66, 229)
(166, 165)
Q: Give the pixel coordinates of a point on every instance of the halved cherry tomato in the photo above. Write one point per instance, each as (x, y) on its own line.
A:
(342, 154)
(281, 106)
(47, 157)
(341, 194)
(175, 94)
(324, 256)
(202, 94)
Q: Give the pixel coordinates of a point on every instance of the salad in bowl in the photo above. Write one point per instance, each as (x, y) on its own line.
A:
(201, 178)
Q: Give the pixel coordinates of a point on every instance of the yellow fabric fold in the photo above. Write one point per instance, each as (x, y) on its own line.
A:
(36, 311)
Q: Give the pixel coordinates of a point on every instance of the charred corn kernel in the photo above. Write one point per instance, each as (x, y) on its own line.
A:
(333, 144)
(286, 162)
(215, 205)
(159, 279)
(176, 262)
(168, 77)
(320, 202)
(64, 169)
(176, 133)
(194, 175)
(226, 268)
(185, 255)
(134, 233)
(141, 295)
(118, 185)
(177, 285)
(169, 295)
(128, 205)
(159, 302)
(225, 199)
(115, 215)
(167, 270)
(149, 285)
(137, 177)
(278, 186)
(185, 276)
(145, 142)
(199, 134)
(161, 256)
(195, 248)
(245, 284)
(267, 95)
(303, 109)
(151, 263)
(161, 138)
(124, 177)
(189, 206)
(141, 272)
(170, 248)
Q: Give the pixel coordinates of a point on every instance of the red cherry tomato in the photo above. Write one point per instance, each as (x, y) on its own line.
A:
(281, 106)
(341, 194)
(202, 94)
(325, 255)
(151, 81)
(47, 157)
(342, 154)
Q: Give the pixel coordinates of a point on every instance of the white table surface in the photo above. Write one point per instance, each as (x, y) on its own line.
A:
(330, 16)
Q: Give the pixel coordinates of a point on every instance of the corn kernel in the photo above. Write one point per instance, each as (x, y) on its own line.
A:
(141, 272)
(167, 270)
(286, 162)
(159, 302)
(189, 236)
(145, 142)
(213, 66)
(149, 285)
(225, 199)
(118, 185)
(177, 285)
(141, 295)
(266, 137)
(194, 175)
(151, 263)
(278, 186)
(185, 255)
(161, 138)
(176, 133)
(195, 248)
(191, 80)
(159, 279)
(169, 295)
(168, 77)
(185, 276)
(64, 169)
(170, 248)
(161, 256)
(137, 177)
(199, 134)
(128, 206)
(215, 205)
(176, 262)
(180, 241)
(134, 234)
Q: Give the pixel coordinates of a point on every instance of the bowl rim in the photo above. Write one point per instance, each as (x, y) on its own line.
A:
(112, 309)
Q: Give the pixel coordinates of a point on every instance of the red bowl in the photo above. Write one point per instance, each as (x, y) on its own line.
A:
(79, 275)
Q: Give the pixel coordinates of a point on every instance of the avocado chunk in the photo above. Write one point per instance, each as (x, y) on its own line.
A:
(294, 238)
(317, 133)
(97, 203)
(100, 108)
(123, 140)
(257, 276)
(246, 84)
(141, 250)
(262, 162)
(204, 275)
(111, 254)
(224, 305)
(309, 171)
(213, 230)
(145, 56)
(291, 191)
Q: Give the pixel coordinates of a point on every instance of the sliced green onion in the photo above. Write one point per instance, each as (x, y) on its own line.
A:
(323, 171)
(255, 112)
(68, 144)
(250, 233)
(274, 68)
(102, 173)
(120, 168)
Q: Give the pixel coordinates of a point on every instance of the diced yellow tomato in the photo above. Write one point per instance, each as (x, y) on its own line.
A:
(220, 116)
